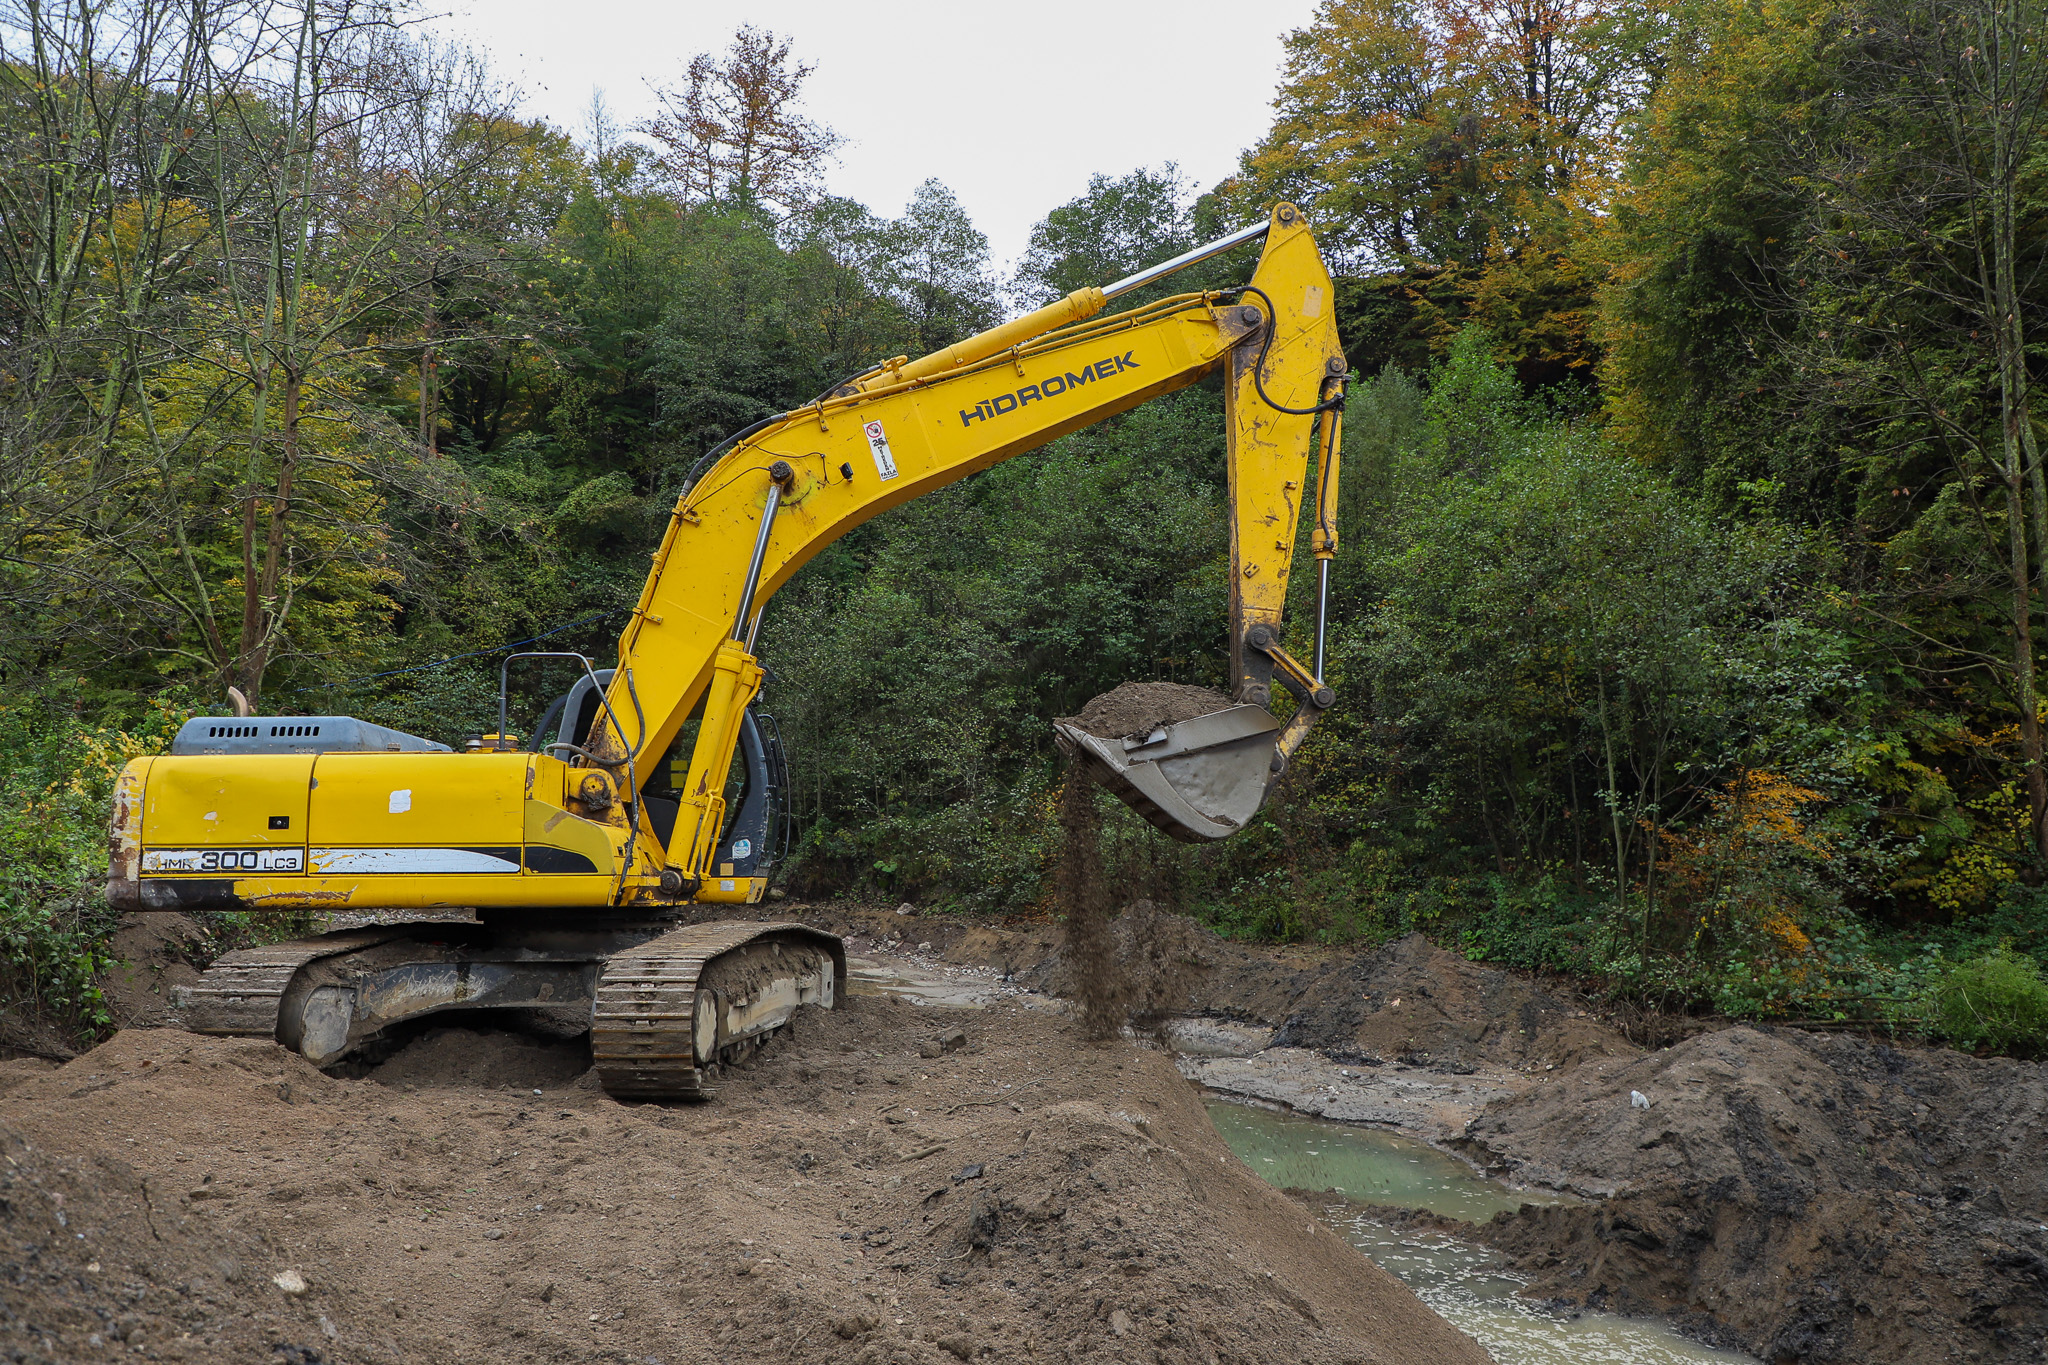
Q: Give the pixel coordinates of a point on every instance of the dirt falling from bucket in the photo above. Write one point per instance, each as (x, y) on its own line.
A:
(1081, 893)
(1130, 970)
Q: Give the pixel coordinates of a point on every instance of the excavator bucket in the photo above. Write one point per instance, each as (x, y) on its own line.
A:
(1196, 779)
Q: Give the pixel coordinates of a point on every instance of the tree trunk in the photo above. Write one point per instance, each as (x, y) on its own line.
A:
(430, 385)
(256, 644)
(1614, 801)
(252, 599)
(2023, 650)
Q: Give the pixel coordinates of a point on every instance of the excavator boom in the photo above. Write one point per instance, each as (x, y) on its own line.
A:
(908, 428)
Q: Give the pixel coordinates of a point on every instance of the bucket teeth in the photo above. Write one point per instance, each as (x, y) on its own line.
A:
(1199, 779)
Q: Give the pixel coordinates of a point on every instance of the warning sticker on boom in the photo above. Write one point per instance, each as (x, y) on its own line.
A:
(878, 441)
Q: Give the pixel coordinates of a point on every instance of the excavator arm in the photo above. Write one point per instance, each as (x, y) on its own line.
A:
(790, 488)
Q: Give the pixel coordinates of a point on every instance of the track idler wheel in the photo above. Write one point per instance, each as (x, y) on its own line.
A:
(676, 1008)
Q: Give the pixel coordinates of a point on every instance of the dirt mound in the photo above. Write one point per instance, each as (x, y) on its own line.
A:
(154, 952)
(1137, 708)
(103, 1232)
(1412, 1001)
(485, 1060)
(1806, 1196)
(1830, 1198)
(1028, 1197)
(95, 1268)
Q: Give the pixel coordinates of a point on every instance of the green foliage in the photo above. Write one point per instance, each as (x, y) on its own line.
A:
(1120, 226)
(1559, 646)
(1455, 159)
(57, 773)
(1688, 515)
(1996, 1002)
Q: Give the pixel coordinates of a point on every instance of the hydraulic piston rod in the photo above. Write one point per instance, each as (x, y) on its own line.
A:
(779, 475)
(1256, 232)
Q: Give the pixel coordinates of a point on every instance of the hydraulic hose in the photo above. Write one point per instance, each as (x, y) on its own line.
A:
(1335, 404)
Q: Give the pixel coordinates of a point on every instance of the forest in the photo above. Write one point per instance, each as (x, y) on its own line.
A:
(1695, 524)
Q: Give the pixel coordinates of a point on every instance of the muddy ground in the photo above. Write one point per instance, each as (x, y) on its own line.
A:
(1024, 1195)
(1802, 1196)
(1806, 1197)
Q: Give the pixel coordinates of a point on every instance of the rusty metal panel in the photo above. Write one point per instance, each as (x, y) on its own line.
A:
(124, 837)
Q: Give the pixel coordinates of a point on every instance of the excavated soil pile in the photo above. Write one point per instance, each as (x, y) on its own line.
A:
(154, 952)
(1827, 1197)
(1030, 1197)
(1137, 708)
(1808, 1197)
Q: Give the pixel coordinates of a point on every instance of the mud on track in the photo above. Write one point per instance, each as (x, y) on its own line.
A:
(1030, 1197)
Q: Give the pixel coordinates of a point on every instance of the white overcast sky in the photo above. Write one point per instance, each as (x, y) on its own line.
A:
(1012, 106)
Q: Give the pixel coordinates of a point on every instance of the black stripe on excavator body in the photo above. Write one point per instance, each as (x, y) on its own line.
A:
(542, 858)
(190, 893)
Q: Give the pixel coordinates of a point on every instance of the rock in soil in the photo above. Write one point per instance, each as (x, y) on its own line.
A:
(159, 1186)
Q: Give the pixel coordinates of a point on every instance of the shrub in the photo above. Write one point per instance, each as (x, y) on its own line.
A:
(51, 956)
(1996, 1002)
(57, 774)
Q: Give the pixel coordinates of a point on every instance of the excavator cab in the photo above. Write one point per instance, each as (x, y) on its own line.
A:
(757, 821)
(756, 832)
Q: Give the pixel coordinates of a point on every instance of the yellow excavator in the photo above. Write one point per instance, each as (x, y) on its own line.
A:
(573, 858)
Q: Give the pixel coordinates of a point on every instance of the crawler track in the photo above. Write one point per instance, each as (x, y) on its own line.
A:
(670, 1009)
(241, 993)
(666, 1009)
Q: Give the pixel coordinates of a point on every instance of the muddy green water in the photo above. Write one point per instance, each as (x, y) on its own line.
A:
(1463, 1283)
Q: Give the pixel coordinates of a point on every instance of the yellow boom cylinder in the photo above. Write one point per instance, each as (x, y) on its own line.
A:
(1075, 307)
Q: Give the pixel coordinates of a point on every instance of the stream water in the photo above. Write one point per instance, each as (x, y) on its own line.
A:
(1462, 1282)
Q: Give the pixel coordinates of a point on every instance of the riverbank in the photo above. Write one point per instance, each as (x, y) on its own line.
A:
(1803, 1196)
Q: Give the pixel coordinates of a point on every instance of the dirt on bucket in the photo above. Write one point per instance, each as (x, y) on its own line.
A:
(1136, 708)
